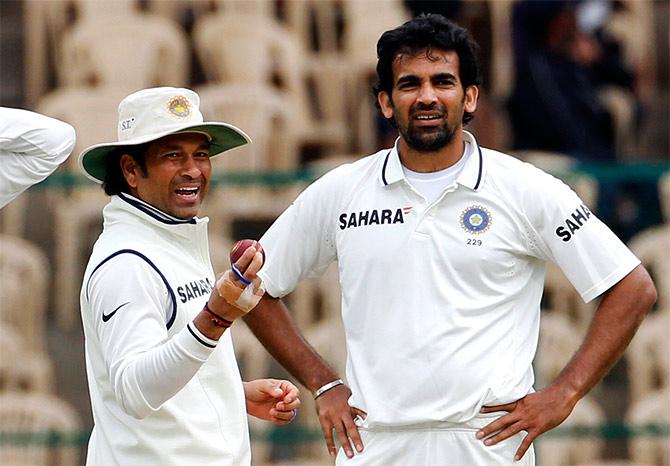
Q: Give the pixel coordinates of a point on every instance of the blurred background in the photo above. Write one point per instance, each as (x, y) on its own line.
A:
(579, 88)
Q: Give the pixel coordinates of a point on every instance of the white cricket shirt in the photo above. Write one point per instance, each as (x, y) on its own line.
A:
(161, 392)
(441, 301)
(31, 148)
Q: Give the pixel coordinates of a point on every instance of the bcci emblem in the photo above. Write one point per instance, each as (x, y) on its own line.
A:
(179, 107)
(476, 219)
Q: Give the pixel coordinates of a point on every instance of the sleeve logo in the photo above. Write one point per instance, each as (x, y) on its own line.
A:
(573, 223)
(106, 317)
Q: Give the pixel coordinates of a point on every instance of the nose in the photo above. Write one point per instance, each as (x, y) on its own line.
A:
(427, 94)
(190, 168)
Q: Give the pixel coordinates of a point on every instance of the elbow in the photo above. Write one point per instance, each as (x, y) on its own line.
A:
(131, 400)
(70, 139)
(133, 408)
(64, 139)
(136, 411)
(645, 296)
(648, 296)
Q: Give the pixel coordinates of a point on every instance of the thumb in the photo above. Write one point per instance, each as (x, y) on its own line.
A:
(359, 412)
(271, 388)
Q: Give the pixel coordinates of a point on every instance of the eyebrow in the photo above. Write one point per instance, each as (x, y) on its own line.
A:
(409, 78)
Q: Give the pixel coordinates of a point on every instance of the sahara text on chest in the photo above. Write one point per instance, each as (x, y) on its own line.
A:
(371, 217)
(194, 289)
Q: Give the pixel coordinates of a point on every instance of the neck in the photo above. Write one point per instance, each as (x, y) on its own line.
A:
(426, 162)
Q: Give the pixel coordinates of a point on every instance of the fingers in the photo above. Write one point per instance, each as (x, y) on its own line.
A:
(246, 258)
(509, 407)
(283, 417)
(288, 405)
(291, 395)
(286, 409)
(254, 266)
(506, 433)
(495, 426)
(346, 432)
(336, 415)
(341, 432)
(525, 445)
(358, 413)
(353, 434)
(249, 263)
(327, 431)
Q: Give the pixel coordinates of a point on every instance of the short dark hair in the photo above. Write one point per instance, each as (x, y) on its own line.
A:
(114, 181)
(427, 32)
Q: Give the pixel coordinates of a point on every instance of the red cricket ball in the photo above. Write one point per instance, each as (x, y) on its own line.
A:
(242, 245)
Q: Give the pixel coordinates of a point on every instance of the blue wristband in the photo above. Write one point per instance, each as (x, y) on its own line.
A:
(240, 276)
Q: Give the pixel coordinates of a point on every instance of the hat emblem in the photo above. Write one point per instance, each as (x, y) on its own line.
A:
(179, 106)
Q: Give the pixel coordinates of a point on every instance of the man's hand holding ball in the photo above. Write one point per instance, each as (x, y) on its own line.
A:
(239, 289)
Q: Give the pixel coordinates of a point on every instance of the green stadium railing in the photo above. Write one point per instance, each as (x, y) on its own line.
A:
(602, 172)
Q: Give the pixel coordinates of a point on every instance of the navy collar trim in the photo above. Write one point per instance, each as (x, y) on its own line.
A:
(481, 164)
(386, 161)
(154, 212)
(466, 178)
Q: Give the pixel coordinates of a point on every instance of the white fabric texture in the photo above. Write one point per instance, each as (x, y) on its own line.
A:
(445, 295)
(161, 392)
(438, 443)
(32, 146)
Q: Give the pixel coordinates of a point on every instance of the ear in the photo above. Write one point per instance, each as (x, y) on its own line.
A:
(471, 96)
(385, 103)
(131, 170)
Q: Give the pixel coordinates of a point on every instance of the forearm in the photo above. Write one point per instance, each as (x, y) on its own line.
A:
(275, 329)
(142, 384)
(614, 324)
(146, 381)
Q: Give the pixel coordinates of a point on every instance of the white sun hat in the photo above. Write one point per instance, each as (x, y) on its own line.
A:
(150, 114)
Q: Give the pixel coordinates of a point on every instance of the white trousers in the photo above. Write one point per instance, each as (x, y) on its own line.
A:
(436, 444)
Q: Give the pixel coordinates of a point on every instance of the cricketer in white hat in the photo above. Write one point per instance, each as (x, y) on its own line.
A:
(163, 379)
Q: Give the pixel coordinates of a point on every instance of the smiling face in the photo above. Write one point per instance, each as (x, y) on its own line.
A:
(177, 174)
(427, 100)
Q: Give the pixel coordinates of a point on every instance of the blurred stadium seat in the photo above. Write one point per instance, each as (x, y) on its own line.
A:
(100, 52)
(41, 425)
(20, 368)
(648, 357)
(24, 290)
(652, 409)
(559, 340)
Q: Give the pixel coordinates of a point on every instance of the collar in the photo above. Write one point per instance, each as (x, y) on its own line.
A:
(125, 208)
(154, 212)
(471, 176)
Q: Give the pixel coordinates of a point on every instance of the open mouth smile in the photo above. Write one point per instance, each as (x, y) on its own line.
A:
(189, 193)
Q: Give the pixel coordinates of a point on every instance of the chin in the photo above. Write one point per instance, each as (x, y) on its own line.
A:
(185, 213)
(423, 142)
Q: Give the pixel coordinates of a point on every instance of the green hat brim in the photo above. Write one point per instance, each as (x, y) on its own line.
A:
(223, 137)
